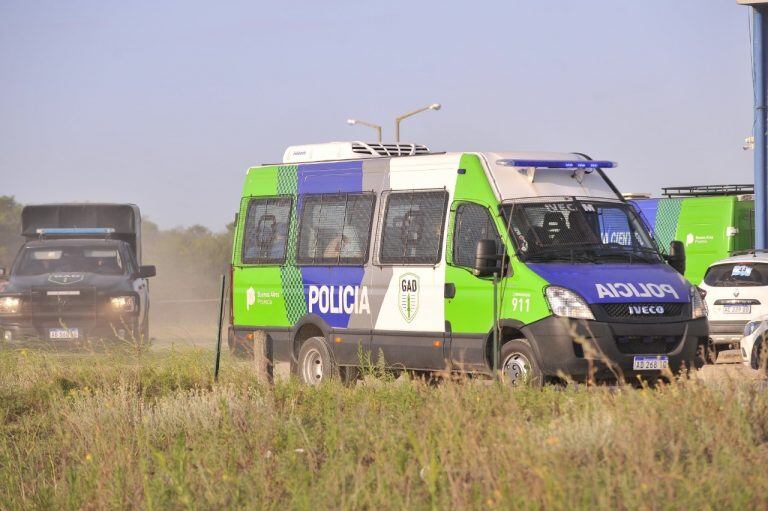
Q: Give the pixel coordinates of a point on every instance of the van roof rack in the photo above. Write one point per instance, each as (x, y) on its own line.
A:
(752, 251)
(707, 190)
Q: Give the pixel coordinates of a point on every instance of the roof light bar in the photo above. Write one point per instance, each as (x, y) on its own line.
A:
(559, 164)
(75, 231)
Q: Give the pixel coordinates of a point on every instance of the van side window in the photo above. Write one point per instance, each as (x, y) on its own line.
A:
(412, 231)
(335, 228)
(266, 230)
(472, 224)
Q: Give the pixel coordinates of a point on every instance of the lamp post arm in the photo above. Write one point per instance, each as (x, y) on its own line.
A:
(405, 116)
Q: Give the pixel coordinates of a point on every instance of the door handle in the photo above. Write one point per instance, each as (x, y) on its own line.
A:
(449, 291)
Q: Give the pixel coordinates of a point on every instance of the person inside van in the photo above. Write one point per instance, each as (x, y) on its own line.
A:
(344, 247)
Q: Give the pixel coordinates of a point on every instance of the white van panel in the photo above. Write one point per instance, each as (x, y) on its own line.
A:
(432, 172)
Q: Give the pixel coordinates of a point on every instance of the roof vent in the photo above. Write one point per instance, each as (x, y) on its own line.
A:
(349, 151)
(379, 149)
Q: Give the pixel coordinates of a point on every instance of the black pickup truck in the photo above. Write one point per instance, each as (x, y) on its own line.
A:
(78, 276)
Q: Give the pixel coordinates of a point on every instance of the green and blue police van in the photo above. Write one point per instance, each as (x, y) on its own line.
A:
(349, 253)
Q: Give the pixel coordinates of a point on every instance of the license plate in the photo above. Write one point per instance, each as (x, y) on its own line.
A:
(64, 333)
(737, 309)
(652, 363)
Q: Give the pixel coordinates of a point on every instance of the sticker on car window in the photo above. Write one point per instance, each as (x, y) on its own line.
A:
(741, 271)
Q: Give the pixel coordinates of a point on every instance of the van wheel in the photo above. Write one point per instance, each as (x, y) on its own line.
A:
(519, 366)
(315, 363)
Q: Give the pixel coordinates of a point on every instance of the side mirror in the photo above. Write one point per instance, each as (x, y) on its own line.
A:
(146, 271)
(487, 259)
(676, 257)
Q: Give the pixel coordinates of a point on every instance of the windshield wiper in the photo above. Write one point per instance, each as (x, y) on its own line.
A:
(561, 254)
(646, 256)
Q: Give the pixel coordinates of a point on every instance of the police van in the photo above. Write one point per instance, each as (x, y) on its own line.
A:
(350, 252)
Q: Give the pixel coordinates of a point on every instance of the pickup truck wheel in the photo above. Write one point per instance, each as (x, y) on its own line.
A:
(315, 363)
(518, 365)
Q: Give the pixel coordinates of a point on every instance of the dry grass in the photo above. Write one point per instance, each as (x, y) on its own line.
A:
(101, 431)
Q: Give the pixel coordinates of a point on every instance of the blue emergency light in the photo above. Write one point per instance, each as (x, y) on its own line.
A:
(75, 231)
(559, 164)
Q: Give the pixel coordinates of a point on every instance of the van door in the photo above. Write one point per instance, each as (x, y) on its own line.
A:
(410, 327)
(469, 299)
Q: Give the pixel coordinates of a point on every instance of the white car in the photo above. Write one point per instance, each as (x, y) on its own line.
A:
(752, 342)
(736, 293)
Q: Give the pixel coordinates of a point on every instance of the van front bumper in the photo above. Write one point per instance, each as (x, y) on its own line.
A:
(583, 349)
(88, 328)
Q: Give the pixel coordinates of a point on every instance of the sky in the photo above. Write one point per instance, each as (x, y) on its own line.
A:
(167, 103)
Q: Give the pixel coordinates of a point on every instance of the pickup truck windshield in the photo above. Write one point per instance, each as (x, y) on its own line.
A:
(85, 259)
(579, 231)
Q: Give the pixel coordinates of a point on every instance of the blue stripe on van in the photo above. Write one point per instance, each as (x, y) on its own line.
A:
(330, 285)
(648, 209)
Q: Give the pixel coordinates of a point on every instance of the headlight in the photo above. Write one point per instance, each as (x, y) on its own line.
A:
(567, 304)
(123, 303)
(10, 305)
(751, 327)
(698, 307)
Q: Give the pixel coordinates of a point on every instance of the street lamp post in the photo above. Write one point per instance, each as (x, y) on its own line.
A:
(352, 122)
(433, 106)
(760, 70)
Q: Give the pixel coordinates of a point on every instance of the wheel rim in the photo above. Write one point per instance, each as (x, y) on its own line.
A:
(516, 369)
(312, 368)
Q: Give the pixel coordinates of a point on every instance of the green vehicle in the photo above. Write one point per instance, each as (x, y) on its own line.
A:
(349, 252)
(713, 221)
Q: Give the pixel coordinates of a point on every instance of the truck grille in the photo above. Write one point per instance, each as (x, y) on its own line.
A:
(643, 310)
(43, 304)
(647, 344)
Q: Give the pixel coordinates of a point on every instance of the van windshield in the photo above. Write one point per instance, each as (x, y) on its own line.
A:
(66, 258)
(579, 230)
(737, 275)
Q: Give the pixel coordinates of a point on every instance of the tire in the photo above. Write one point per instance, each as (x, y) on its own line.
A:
(315, 362)
(705, 354)
(518, 365)
(756, 360)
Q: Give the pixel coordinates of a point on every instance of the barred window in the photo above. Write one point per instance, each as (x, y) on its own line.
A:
(335, 228)
(266, 230)
(472, 224)
(413, 227)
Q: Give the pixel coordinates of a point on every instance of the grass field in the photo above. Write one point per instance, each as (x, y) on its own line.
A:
(152, 431)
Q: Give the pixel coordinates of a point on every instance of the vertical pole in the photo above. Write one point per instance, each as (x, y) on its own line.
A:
(218, 336)
(759, 40)
(496, 325)
(397, 130)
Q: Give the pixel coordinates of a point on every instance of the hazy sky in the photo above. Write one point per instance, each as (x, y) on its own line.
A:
(166, 103)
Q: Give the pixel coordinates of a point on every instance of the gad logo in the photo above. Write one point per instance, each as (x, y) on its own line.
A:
(408, 297)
